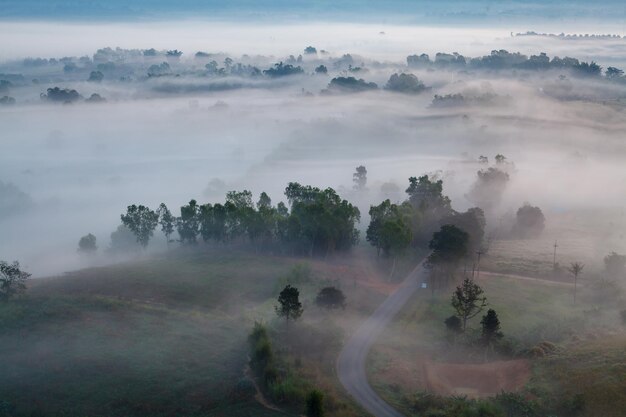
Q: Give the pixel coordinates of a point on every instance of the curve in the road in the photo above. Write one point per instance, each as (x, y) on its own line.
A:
(351, 361)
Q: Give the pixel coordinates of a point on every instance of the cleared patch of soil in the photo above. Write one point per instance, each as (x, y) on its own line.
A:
(476, 380)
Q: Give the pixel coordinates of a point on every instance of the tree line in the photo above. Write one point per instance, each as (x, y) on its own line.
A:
(317, 222)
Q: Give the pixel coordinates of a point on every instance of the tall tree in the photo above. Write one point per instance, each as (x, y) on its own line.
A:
(360, 178)
(490, 327)
(449, 246)
(289, 306)
(141, 221)
(12, 280)
(468, 301)
(395, 237)
(167, 221)
(188, 224)
(576, 268)
(320, 220)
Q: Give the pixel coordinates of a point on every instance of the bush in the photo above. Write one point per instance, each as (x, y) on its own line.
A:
(261, 354)
(454, 324)
(315, 404)
(515, 405)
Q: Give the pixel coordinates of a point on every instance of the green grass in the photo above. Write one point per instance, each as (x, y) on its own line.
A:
(587, 368)
(592, 371)
(157, 337)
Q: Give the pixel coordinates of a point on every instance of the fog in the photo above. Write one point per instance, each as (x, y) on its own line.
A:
(169, 139)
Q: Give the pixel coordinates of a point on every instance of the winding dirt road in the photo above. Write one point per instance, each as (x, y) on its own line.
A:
(352, 358)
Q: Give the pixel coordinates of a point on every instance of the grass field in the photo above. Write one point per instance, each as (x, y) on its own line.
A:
(581, 236)
(167, 335)
(583, 374)
(157, 337)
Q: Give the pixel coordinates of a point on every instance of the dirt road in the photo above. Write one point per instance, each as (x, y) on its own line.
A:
(351, 361)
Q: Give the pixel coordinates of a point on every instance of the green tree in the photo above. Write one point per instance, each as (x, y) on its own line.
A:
(87, 244)
(320, 220)
(167, 221)
(289, 306)
(315, 404)
(331, 298)
(141, 221)
(390, 229)
(12, 280)
(188, 224)
(490, 328)
(454, 324)
(473, 222)
(449, 246)
(395, 237)
(468, 301)
(427, 196)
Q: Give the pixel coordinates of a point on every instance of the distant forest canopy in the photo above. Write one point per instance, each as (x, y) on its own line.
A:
(571, 35)
(343, 74)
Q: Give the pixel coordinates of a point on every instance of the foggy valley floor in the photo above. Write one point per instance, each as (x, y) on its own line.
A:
(201, 203)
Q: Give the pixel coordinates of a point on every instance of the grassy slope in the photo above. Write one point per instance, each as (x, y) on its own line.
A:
(161, 336)
(530, 312)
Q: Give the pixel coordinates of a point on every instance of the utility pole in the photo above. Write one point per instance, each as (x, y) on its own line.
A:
(478, 252)
(554, 257)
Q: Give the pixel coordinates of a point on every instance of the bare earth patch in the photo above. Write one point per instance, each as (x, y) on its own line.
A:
(476, 380)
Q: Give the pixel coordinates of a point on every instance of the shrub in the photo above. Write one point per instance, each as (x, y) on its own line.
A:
(315, 404)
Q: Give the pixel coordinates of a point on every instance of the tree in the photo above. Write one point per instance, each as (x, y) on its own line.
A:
(141, 221)
(489, 186)
(320, 220)
(315, 404)
(123, 241)
(167, 221)
(490, 327)
(427, 196)
(468, 301)
(289, 305)
(454, 324)
(350, 85)
(12, 280)
(283, 70)
(360, 178)
(188, 224)
(331, 298)
(473, 222)
(405, 83)
(59, 95)
(87, 244)
(95, 76)
(449, 246)
(310, 50)
(615, 265)
(614, 73)
(395, 237)
(576, 268)
(321, 70)
(529, 222)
